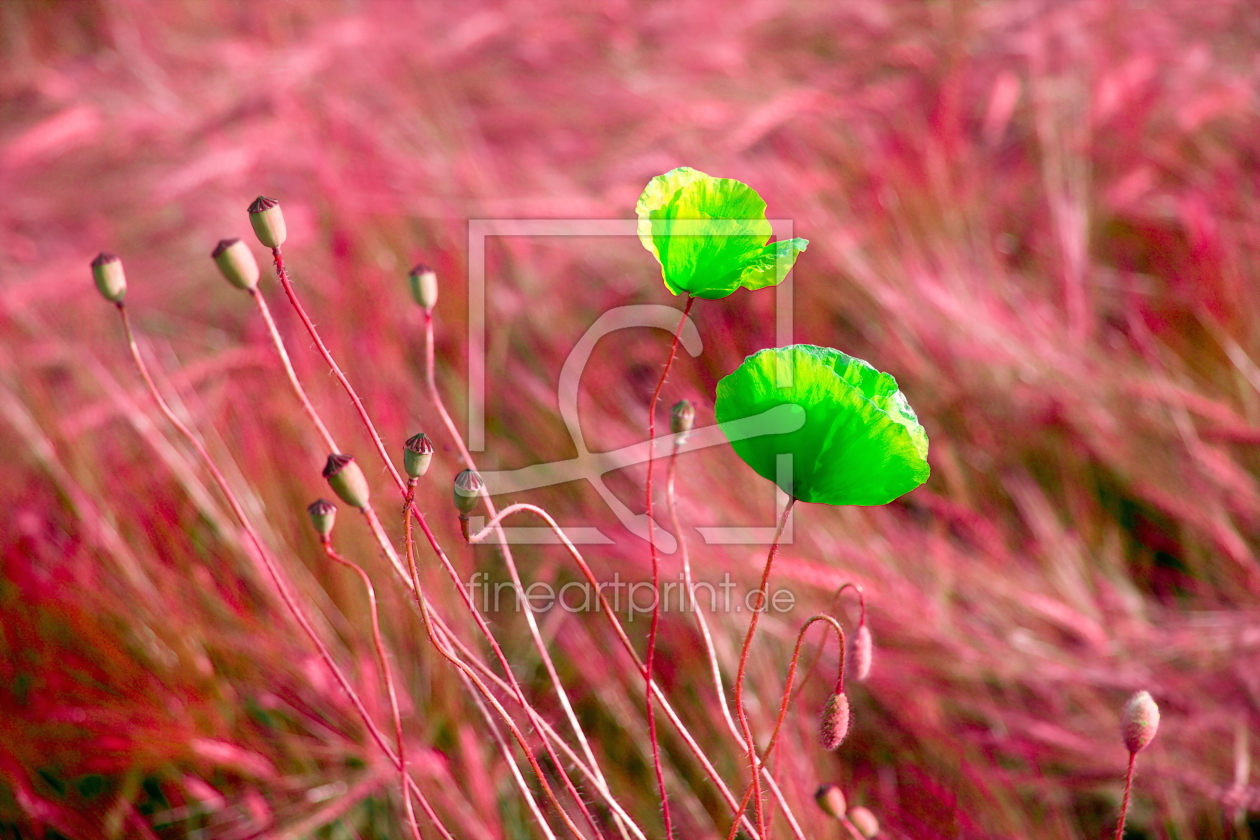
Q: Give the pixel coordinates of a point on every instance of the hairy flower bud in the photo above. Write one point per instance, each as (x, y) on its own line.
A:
(681, 418)
(268, 221)
(864, 821)
(834, 722)
(323, 513)
(831, 799)
(417, 455)
(857, 659)
(107, 271)
(347, 480)
(468, 489)
(424, 286)
(1140, 721)
(236, 262)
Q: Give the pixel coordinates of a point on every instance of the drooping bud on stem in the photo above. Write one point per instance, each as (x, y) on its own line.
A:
(864, 821)
(417, 455)
(1140, 721)
(468, 489)
(236, 262)
(268, 221)
(831, 799)
(681, 418)
(347, 480)
(858, 657)
(323, 514)
(107, 271)
(424, 286)
(834, 722)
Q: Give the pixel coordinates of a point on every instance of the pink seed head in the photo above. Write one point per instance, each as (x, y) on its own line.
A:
(1139, 722)
(834, 722)
(857, 659)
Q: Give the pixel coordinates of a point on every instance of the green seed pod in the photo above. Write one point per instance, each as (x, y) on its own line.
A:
(347, 480)
(236, 262)
(681, 418)
(323, 514)
(831, 799)
(857, 659)
(864, 821)
(424, 286)
(268, 221)
(107, 271)
(1140, 721)
(468, 489)
(417, 455)
(834, 722)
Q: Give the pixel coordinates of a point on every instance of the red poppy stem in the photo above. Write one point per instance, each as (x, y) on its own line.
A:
(743, 667)
(1128, 788)
(650, 655)
(787, 698)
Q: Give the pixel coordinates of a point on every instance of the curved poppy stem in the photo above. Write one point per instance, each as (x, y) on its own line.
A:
(787, 695)
(382, 662)
(283, 275)
(835, 602)
(650, 654)
(273, 570)
(750, 743)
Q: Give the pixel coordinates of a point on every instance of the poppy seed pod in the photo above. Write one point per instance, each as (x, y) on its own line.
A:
(347, 480)
(857, 658)
(417, 455)
(236, 262)
(864, 821)
(468, 489)
(681, 418)
(831, 799)
(1140, 721)
(323, 514)
(424, 286)
(107, 271)
(834, 722)
(268, 221)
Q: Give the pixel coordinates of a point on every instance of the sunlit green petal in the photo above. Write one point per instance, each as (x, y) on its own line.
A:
(772, 264)
(861, 443)
(710, 234)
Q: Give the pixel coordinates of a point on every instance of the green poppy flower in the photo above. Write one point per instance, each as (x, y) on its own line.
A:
(860, 444)
(711, 235)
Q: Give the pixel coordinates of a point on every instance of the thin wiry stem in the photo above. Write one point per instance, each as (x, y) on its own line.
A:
(283, 276)
(705, 633)
(327, 437)
(835, 602)
(711, 651)
(272, 569)
(387, 676)
(750, 742)
(787, 695)
(450, 655)
(650, 655)
(620, 632)
(535, 634)
(1128, 788)
(411, 580)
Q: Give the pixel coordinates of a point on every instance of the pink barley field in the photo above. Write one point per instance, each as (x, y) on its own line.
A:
(1042, 217)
